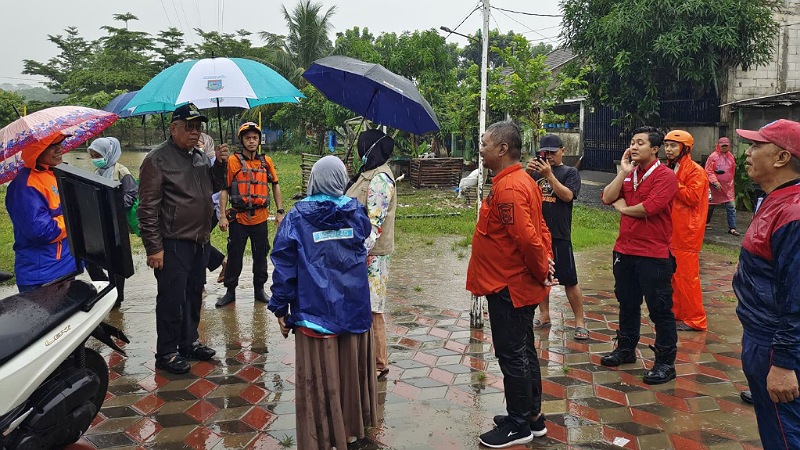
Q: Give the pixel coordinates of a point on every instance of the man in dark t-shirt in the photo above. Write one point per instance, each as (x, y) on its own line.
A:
(560, 186)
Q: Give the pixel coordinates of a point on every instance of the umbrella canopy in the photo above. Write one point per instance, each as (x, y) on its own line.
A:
(79, 122)
(374, 92)
(212, 82)
(117, 105)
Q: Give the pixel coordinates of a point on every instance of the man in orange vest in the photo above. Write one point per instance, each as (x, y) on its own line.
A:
(249, 177)
(689, 211)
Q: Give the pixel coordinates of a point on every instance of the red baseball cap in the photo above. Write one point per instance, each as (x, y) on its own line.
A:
(783, 133)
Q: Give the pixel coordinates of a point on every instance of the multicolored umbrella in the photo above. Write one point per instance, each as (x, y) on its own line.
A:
(79, 122)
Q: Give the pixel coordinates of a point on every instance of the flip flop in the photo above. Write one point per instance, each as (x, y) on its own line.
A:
(538, 324)
(581, 333)
(734, 232)
(382, 373)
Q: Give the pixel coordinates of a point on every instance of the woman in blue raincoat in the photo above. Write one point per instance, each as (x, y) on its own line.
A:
(320, 291)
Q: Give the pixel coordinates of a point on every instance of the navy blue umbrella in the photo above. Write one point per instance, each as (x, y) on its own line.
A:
(373, 92)
(117, 106)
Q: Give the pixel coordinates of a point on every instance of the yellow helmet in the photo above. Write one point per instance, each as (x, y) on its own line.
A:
(248, 126)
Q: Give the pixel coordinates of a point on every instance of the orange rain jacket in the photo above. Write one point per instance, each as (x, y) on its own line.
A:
(511, 243)
(689, 210)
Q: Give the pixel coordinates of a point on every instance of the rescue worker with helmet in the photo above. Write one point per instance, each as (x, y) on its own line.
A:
(689, 211)
(248, 191)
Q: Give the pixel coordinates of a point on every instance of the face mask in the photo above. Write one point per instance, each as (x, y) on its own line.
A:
(99, 162)
(363, 160)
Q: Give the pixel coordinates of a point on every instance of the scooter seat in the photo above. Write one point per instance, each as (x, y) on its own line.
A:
(27, 316)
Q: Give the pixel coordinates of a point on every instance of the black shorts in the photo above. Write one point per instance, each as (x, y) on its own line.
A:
(565, 262)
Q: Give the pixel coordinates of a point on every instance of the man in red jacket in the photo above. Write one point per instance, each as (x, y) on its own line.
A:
(510, 265)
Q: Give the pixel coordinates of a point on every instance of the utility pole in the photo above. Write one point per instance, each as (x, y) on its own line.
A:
(476, 314)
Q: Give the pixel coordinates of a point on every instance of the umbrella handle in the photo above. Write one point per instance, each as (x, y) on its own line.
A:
(363, 118)
(219, 121)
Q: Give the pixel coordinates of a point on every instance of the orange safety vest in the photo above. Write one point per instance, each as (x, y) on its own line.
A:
(250, 186)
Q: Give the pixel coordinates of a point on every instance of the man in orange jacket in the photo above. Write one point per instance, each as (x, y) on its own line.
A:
(510, 265)
(689, 211)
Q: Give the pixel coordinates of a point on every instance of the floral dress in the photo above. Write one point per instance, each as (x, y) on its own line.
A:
(381, 191)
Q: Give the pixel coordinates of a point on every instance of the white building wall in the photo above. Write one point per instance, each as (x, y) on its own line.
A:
(781, 74)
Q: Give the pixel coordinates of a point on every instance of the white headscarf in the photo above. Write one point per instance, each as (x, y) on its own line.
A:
(110, 149)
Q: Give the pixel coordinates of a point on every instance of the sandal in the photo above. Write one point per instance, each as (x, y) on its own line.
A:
(538, 324)
(581, 333)
(734, 232)
(221, 276)
(382, 373)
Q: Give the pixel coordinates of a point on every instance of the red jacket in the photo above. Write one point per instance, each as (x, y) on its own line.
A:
(511, 243)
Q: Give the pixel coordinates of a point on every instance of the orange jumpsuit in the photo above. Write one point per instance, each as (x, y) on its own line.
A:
(689, 211)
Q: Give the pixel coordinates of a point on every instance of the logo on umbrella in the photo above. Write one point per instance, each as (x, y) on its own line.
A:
(214, 85)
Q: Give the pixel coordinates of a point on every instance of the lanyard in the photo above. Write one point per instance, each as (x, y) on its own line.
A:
(644, 177)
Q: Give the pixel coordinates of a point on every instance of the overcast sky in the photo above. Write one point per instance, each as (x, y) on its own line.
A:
(28, 23)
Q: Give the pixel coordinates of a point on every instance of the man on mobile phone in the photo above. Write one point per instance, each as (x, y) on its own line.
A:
(642, 192)
(560, 186)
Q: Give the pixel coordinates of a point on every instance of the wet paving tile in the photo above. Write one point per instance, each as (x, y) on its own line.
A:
(445, 383)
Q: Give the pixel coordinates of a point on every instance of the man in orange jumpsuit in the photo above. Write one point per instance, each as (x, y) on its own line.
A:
(510, 265)
(689, 211)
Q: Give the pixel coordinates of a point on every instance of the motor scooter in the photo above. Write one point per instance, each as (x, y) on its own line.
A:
(53, 385)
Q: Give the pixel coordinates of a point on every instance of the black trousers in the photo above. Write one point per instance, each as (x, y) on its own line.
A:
(180, 296)
(213, 255)
(96, 273)
(638, 276)
(512, 336)
(259, 246)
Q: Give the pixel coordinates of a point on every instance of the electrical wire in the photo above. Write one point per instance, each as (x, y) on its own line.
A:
(166, 14)
(222, 17)
(477, 7)
(527, 13)
(515, 20)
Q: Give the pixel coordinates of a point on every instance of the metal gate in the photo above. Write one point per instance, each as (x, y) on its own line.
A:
(604, 143)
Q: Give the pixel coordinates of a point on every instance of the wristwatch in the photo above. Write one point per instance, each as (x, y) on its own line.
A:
(280, 211)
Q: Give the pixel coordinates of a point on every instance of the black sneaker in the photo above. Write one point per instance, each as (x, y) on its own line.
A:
(199, 352)
(747, 397)
(538, 429)
(506, 434)
(173, 364)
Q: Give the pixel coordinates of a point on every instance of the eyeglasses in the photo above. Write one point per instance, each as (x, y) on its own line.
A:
(189, 126)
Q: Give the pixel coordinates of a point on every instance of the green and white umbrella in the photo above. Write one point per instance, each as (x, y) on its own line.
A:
(214, 82)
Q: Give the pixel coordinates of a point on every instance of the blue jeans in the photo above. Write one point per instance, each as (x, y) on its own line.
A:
(778, 423)
(512, 336)
(730, 209)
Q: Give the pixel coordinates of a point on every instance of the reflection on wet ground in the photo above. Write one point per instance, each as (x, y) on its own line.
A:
(444, 383)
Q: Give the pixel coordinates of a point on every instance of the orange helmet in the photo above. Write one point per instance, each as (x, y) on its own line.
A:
(681, 136)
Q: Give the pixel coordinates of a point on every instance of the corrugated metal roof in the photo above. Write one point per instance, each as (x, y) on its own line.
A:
(559, 57)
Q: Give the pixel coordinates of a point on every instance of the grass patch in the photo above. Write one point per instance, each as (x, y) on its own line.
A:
(423, 215)
(731, 252)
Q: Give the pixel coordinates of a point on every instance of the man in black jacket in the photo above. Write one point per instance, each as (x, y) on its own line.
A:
(175, 207)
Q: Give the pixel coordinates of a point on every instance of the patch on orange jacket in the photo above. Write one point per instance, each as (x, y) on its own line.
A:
(506, 211)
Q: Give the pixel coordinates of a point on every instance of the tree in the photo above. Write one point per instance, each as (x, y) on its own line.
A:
(8, 102)
(308, 32)
(357, 43)
(170, 49)
(640, 52)
(76, 53)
